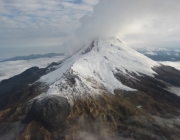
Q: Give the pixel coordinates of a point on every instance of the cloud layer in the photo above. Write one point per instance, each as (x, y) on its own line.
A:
(139, 23)
(40, 23)
(11, 68)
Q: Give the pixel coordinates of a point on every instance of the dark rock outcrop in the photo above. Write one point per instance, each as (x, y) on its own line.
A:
(168, 74)
(23, 87)
(51, 111)
(12, 89)
(89, 48)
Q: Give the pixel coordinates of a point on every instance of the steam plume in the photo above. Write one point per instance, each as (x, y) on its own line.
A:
(130, 19)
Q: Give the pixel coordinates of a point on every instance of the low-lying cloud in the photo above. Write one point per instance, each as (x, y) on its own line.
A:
(12, 68)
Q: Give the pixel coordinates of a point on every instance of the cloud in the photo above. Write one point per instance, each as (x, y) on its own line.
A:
(12, 68)
(11, 130)
(46, 23)
(139, 23)
(91, 2)
(39, 22)
(78, 7)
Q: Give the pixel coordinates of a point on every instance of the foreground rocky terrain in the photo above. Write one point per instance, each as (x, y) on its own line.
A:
(106, 91)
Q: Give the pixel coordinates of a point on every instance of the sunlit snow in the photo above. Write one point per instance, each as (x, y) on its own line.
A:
(99, 65)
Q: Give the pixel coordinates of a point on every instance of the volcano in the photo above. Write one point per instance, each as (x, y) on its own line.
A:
(105, 91)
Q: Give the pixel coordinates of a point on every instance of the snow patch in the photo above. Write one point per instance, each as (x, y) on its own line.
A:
(175, 90)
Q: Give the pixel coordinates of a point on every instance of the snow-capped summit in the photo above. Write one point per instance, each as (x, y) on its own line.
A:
(94, 67)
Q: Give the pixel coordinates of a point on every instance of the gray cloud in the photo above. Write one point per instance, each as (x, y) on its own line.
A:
(139, 23)
(44, 23)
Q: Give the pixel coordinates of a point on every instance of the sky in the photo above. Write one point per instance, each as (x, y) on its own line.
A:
(42, 26)
(37, 26)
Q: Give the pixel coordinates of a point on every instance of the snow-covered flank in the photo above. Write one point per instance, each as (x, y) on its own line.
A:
(176, 65)
(94, 71)
(175, 90)
(12, 68)
(52, 77)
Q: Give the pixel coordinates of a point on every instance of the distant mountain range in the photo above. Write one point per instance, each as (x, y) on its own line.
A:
(161, 54)
(33, 56)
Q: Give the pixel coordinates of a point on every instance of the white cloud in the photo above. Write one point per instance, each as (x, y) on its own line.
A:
(77, 7)
(91, 2)
(48, 23)
(12, 68)
(39, 22)
(138, 23)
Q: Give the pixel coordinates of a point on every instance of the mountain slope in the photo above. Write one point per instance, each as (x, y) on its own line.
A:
(113, 92)
(104, 59)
